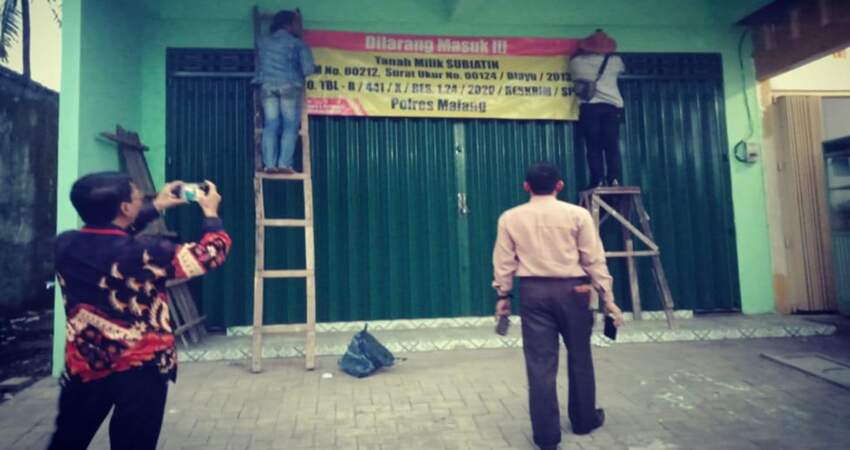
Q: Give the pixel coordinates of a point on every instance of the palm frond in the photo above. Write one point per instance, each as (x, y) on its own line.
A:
(9, 27)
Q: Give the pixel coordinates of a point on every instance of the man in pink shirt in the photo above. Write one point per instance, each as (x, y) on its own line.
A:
(555, 250)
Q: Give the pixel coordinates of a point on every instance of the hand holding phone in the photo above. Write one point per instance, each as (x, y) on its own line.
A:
(503, 314)
(502, 325)
(610, 330)
(191, 191)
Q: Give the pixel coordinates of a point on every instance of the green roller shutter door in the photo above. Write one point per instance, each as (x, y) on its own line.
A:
(675, 149)
(386, 220)
(391, 241)
(209, 136)
(497, 154)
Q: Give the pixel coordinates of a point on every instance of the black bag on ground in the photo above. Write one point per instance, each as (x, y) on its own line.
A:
(365, 355)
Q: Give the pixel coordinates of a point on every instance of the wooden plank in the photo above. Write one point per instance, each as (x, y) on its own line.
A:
(176, 282)
(179, 295)
(178, 322)
(625, 222)
(258, 111)
(131, 150)
(259, 216)
(259, 255)
(285, 223)
(181, 304)
(657, 268)
(258, 133)
(192, 314)
(594, 209)
(614, 190)
(594, 213)
(309, 244)
(814, 32)
(666, 296)
(286, 273)
(123, 139)
(604, 219)
(181, 329)
(282, 176)
(634, 288)
(136, 166)
(794, 22)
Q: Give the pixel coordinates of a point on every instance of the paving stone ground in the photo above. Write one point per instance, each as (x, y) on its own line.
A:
(695, 395)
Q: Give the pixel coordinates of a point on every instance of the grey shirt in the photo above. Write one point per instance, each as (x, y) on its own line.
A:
(586, 66)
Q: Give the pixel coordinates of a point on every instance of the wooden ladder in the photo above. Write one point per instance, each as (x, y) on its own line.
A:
(620, 202)
(263, 222)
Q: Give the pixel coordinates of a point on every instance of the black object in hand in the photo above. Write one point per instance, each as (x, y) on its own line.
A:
(610, 329)
(503, 325)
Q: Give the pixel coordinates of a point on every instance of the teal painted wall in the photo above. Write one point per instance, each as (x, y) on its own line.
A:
(68, 158)
(100, 88)
(110, 76)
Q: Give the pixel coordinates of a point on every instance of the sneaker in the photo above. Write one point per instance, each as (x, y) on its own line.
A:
(614, 182)
(286, 170)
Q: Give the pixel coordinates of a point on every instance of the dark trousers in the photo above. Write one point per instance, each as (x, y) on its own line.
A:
(600, 126)
(138, 396)
(550, 308)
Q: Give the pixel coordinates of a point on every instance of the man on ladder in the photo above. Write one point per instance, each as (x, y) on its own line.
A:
(595, 70)
(283, 61)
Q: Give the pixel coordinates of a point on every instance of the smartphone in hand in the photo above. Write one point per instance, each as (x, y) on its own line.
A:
(190, 191)
(502, 325)
(610, 330)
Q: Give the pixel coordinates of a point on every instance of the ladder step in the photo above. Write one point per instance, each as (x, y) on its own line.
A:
(286, 273)
(612, 190)
(285, 223)
(282, 176)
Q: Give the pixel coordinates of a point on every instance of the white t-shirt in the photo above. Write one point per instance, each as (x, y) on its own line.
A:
(586, 66)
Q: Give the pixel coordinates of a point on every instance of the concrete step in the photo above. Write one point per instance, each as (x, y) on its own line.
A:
(479, 334)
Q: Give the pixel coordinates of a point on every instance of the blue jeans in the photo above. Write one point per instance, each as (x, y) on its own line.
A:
(281, 121)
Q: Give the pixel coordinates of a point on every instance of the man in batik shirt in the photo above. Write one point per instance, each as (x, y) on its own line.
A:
(119, 349)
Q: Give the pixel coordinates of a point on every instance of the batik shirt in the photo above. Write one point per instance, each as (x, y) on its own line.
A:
(116, 302)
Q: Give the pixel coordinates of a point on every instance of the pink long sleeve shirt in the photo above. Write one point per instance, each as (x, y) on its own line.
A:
(549, 238)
